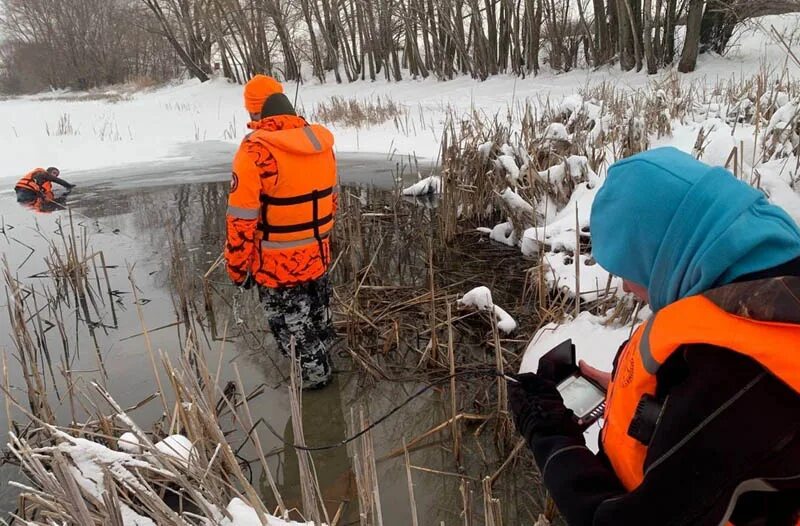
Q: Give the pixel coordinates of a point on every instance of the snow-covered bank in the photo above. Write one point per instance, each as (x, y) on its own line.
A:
(80, 132)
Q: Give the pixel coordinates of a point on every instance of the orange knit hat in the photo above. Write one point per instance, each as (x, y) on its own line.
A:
(257, 90)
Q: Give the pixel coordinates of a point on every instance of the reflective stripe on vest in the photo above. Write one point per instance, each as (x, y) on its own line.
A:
(243, 213)
(313, 138)
(278, 245)
(694, 320)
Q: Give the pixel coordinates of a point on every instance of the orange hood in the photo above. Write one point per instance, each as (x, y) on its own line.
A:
(290, 134)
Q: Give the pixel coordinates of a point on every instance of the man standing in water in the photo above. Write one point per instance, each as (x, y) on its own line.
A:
(280, 216)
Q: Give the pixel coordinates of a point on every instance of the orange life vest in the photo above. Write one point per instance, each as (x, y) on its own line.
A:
(296, 204)
(298, 210)
(747, 326)
(29, 183)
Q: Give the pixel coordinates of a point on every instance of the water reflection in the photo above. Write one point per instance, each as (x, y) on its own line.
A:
(46, 204)
(162, 241)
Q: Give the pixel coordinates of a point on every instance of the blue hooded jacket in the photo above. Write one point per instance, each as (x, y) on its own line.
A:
(679, 227)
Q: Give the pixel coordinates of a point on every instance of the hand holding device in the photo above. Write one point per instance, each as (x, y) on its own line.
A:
(538, 408)
(583, 395)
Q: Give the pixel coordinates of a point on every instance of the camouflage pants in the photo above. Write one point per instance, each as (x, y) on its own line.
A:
(303, 313)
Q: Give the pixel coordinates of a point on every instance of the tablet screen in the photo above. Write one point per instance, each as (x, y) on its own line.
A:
(580, 395)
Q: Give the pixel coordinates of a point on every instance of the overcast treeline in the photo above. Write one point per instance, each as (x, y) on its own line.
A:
(88, 43)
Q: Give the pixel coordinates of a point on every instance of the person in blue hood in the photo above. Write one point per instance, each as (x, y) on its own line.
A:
(702, 418)
(677, 227)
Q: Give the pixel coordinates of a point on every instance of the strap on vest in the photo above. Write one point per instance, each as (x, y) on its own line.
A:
(29, 183)
(296, 200)
(315, 224)
(315, 215)
(298, 227)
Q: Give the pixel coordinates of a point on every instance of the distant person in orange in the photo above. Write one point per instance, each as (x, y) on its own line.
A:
(280, 215)
(38, 184)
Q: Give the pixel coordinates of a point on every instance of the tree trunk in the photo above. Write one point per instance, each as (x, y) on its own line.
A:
(613, 27)
(668, 46)
(537, 36)
(636, 32)
(719, 21)
(316, 57)
(627, 60)
(692, 45)
(601, 36)
(647, 26)
(291, 69)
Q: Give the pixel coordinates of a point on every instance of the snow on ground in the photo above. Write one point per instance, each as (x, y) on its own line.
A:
(80, 132)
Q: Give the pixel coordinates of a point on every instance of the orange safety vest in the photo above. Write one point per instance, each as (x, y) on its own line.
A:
(28, 183)
(296, 209)
(721, 317)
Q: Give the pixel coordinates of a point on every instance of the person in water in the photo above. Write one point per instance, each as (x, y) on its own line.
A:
(281, 211)
(38, 184)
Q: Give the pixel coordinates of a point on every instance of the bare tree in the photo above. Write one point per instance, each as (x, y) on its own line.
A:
(181, 27)
(79, 44)
(88, 41)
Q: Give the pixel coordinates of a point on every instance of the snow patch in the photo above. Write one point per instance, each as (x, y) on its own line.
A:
(485, 149)
(556, 132)
(129, 443)
(480, 298)
(244, 515)
(504, 233)
(508, 164)
(515, 202)
(429, 186)
(178, 447)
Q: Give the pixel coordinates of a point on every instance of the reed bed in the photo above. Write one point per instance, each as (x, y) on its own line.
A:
(400, 266)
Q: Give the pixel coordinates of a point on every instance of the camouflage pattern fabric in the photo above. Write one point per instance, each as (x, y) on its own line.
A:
(303, 312)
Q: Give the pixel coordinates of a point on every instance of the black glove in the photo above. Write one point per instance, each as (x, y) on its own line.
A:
(538, 408)
(248, 282)
(71, 186)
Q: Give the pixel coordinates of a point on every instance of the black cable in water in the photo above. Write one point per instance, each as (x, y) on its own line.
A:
(395, 409)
